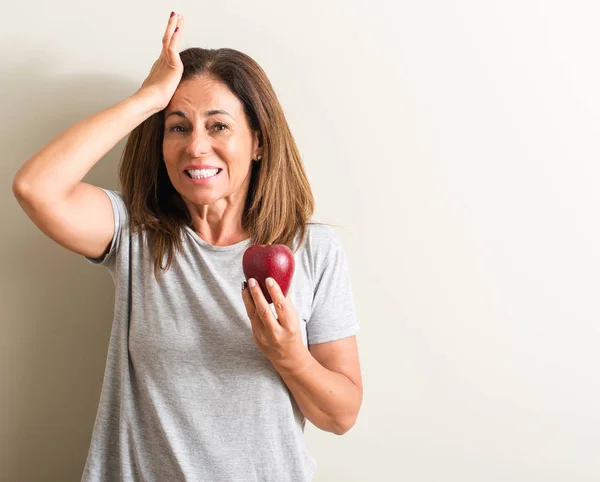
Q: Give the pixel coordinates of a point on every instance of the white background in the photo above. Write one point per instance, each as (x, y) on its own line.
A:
(455, 142)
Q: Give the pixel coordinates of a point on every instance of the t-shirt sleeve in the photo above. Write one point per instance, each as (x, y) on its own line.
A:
(333, 314)
(121, 225)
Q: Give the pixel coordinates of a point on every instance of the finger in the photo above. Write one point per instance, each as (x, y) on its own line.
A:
(255, 323)
(262, 308)
(171, 25)
(281, 303)
(248, 302)
(174, 43)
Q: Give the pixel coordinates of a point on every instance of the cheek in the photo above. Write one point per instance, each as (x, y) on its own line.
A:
(170, 160)
(234, 154)
(229, 146)
(171, 153)
(167, 152)
(240, 149)
(171, 144)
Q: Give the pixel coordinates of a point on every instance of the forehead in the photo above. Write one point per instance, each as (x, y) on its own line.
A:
(203, 94)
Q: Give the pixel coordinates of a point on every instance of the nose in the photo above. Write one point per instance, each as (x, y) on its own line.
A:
(198, 143)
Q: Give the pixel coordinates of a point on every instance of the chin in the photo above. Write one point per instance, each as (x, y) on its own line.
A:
(201, 199)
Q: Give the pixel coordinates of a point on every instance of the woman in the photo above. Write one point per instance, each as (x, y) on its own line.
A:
(204, 381)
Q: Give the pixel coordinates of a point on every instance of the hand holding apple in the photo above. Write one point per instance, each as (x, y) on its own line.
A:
(262, 261)
(277, 336)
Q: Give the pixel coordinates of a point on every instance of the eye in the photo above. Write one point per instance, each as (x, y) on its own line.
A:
(175, 127)
(220, 127)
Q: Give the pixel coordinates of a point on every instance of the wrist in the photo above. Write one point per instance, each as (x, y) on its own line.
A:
(294, 364)
(146, 101)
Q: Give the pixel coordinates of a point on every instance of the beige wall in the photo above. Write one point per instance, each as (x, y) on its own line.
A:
(457, 142)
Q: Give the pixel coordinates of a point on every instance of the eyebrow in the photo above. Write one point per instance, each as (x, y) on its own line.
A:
(208, 113)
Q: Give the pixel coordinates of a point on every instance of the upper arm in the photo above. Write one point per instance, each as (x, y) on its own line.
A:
(332, 313)
(82, 222)
(340, 356)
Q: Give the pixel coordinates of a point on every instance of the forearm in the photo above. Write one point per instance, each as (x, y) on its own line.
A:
(328, 399)
(58, 167)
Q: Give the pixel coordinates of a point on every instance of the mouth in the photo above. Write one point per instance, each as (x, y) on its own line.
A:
(199, 174)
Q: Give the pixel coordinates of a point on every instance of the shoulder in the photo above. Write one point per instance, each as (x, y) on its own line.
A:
(120, 209)
(116, 199)
(114, 194)
(321, 231)
(321, 245)
(320, 237)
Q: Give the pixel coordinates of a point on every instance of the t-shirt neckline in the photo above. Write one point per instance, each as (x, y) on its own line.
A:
(212, 247)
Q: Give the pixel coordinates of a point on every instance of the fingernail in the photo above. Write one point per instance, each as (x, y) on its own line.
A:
(252, 282)
(244, 285)
(269, 281)
(172, 13)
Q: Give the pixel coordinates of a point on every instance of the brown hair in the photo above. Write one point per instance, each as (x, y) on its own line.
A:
(279, 202)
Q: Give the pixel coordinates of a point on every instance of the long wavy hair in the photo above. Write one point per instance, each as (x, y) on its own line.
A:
(279, 203)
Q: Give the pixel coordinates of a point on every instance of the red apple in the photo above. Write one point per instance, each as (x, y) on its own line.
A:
(262, 261)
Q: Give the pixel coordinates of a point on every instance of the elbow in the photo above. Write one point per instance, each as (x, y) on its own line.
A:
(337, 425)
(343, 425)
(18, 188)
(22, 189)
(344, 422)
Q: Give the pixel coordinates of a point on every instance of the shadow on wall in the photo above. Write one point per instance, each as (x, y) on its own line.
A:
(56, 309)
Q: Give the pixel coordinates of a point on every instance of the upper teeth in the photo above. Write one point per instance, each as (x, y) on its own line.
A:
(199, 173)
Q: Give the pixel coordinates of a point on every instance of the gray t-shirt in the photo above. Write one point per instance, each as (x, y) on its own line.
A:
(187, 395)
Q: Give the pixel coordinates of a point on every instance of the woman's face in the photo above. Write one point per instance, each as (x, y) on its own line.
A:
(206, 127)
